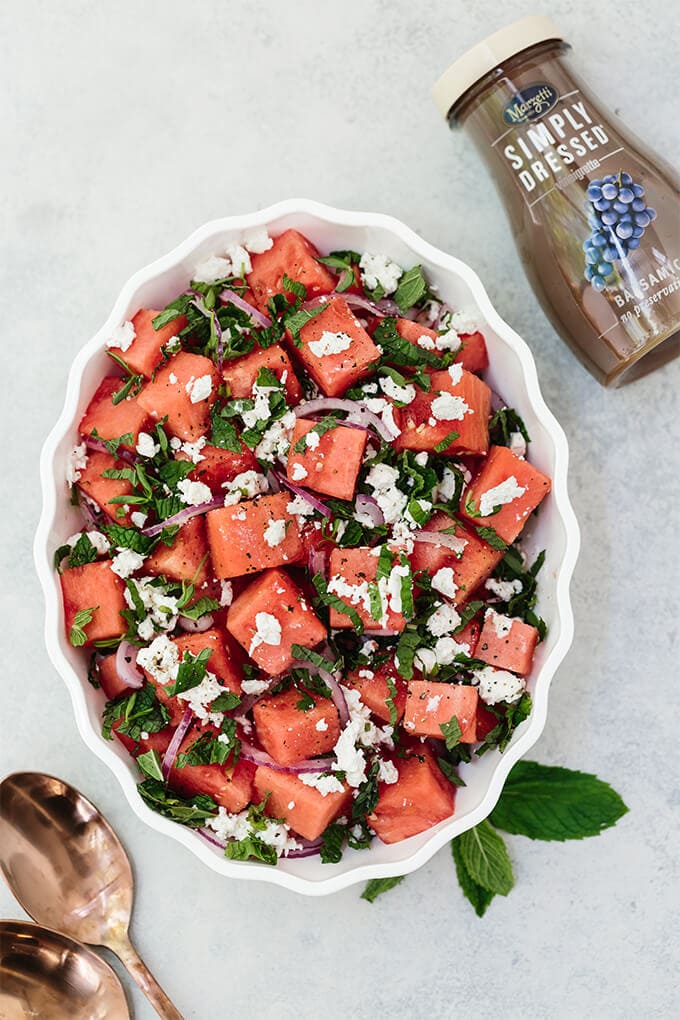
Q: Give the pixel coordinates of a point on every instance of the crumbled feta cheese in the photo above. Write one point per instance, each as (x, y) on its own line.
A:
(330, 343)
(291, 805)
(77, 461)
(161, 608)
(160, 659)
(312, 440)
(382, 478)
(425, 660)
(379, 271)
(503, 589)
(193, 450)
(426, 342)
(324, 784)
(499, 495)
(518, 444)
(433, 704)
(449, 341)
(276, 440)
(447, 648)
(321, 726)
(212, 269)
(200, 698)
(387, 418)
(498, 685)
(175, 443)
(268, 631)
(193, 493)
(257, 240)
(172, 378)
(502, 625)
(456, 373)
(275, 532)
(226, 594)
(247, 485)
(443, 581)
(446, 489)
(126, 562)
(254, 686)
(239, 259)
(138, 518)
(298, 472)
(199, 389)
(357, 594)
(447, 407)
(146, 447)
(122, 336)
(463, 322)
(387, 772)
(300, 507)
(238, 826)
(402, 394)
(443, 620)
(421, 458)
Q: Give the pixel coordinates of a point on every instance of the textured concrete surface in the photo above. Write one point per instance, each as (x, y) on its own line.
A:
(125, 126)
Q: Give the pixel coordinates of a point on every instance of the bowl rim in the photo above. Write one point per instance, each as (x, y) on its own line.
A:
(43, 560)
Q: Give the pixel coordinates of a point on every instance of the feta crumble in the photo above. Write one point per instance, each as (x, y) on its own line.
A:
(99, 541)
(321, 726)
(275, 532)
(298, 472)
(498, 685)
(402, 394)
(443, 620)
(447, 407)
(443, 582)
(382, 478)
(126, 562)
(267, 632)
(146, 447)
(122, 336)
(247, 485)
(503, 589)
(502, 625)
(193, 493)
(77, 462)
(387, 772)
(500, 495)
(254, 686)
(324, 784)
(226, 594)
(257, 241)
(330, 343)
(199, 389)
(379, 271)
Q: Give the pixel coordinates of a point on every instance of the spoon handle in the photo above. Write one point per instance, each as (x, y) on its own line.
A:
(138, 970)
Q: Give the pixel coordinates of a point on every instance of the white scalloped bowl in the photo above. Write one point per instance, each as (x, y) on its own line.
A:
(512, 374)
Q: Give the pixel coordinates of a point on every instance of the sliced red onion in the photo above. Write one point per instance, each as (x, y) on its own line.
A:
(126, 665)
(379, 632)
(308, 848)
(220, 341)
(93, 515)
(389, 307)
(251, 699)
(356, 411)
(174, 745)
(316, 562)
(497, 402)
(272, 482)
(368, 506)
(259, 757)
(210, 836)
(99, 446)
(190, 626)
(337, 696)
(183, 516)
(438, 538)
(235, 299)
(312, 500)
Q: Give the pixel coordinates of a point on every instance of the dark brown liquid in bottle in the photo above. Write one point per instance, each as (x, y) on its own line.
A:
(542, 168)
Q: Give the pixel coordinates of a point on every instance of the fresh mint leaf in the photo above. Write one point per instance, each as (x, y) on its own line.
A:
(332, 843)
(391, 700)
(509, 717)
(191, 672)
(225, 702)
(223, 433)
(549, 802)
(83, 617)
(486, 859)
(376, 886)
(320, 428)
(191, 811)
(140, 711)
(492, 538)
(200, 608)
(503, 423)
(412, 288)
(367, 794)
(150, 764)
(407, 646)
(479, 897)
(451, 732)
(449, 770)
(442, 446)
(399, 351)
(335, 602)
(113, 445)
(309, 655)
(250, 847)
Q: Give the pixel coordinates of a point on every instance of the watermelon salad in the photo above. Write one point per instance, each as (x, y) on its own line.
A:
(299, 583)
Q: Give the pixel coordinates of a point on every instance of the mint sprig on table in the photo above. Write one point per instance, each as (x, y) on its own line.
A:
(544, 802)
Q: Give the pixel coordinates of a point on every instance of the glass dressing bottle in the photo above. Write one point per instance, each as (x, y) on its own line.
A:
(595, 214)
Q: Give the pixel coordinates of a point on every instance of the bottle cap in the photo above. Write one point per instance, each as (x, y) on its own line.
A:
(486, 55)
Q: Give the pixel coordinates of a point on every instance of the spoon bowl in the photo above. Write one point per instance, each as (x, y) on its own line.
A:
(69, 871)
(48, 975)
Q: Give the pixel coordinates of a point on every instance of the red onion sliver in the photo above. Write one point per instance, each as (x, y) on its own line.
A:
(357, 413)
(260, 757)
(183, 516)
(308, 848)
(337, 697)
(90, 511)
(312, 500)
(235, 299)
(210, 836)
(272, 482)
(368, 506)
(439, 538)
(126, 665)
(190, 626)
(316, 562)
(388, 307)
(99, 446)
(174, 745)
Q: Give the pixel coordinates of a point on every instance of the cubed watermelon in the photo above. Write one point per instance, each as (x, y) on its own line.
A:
(144, 353)
(187, 559)
(471, 566)
(371, 682)
(507, 643)
(351, 572)
(177, 392)
(335, 348)
(230, 786)
(241, 374)
(430, 704)
(158, 742)
(330, 467)
(306, 810)
(291, 255)
(420, 798)
(473, 355)
(509, 482)
(109, 420)
(103, 490)
(94, 586)
(253, 535)
(217, 466)
(290, 735)
(111, 683)
(269, 617)
(449, 407)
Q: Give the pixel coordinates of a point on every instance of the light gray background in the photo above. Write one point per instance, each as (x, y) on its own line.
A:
(125, 126)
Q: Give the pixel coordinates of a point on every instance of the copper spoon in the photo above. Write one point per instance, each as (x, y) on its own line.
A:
(48, 975)
(69, 871)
